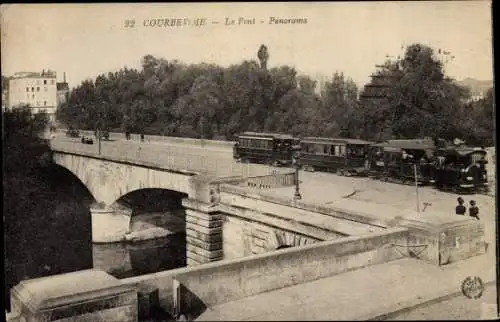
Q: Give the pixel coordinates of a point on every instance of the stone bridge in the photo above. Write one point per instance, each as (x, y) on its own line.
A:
(226, 215)
(213, 231)
(236, 227)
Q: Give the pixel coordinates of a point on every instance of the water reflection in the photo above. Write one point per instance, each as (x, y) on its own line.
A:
(55, 235)
(124, 260)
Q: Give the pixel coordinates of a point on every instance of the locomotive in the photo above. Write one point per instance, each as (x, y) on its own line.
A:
(453, 168)
(461, 169)
(402, 161)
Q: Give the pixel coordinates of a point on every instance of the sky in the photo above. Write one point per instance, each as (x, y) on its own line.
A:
(85, 40)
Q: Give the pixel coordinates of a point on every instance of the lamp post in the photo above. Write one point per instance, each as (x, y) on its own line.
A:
(295, 160)
(99, 140)
(102, 117)
(416, 185)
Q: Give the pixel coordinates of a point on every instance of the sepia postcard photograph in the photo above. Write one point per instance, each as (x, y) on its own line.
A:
(249, 161)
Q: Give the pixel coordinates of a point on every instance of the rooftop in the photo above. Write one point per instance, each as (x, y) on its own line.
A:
(407, 144)
(267, 135)
(43, 74)
(335, 140)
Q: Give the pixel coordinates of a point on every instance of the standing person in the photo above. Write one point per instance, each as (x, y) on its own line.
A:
(460, 208)
(474, 210)
(142, 137)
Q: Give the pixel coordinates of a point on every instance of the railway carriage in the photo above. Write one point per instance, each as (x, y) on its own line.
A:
(461, 169)
(343, 156)
(267, 148)
(395, 161)
(455, 168)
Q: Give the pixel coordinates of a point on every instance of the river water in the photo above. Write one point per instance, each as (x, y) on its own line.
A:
(58, 238)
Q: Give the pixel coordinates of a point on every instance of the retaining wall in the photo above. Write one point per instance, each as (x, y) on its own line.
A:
(185, 289)
(227, 281)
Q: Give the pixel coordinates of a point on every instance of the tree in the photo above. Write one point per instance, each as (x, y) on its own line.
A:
(25, 158)
(412, 98)
(263, 56)
(339, 97)
(477, 123)
(306, 84)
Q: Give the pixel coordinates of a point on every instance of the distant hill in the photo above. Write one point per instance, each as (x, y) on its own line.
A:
(477, 87)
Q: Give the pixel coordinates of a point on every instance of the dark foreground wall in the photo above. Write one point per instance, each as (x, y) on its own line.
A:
(192, 289)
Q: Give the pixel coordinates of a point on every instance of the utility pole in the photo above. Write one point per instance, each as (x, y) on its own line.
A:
(99, 140)
(296, 158)
(416, 185)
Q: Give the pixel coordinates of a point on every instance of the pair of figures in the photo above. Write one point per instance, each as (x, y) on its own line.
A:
(473, 209)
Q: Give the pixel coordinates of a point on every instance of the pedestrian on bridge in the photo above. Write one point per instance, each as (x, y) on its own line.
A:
(474, 210)
(460, 208)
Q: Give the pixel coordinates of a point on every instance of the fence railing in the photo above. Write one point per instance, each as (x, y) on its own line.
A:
(166, 139)
(272, 180)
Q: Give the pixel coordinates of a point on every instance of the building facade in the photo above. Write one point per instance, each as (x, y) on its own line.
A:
(38, 90)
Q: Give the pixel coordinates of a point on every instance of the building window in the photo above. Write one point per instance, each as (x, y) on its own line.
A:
(44, 103)
(33, 96)
(32, 89)
(44, 82)
(27, 89)
(38, 89)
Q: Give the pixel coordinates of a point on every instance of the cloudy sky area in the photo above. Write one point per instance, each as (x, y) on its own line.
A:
(86, 40)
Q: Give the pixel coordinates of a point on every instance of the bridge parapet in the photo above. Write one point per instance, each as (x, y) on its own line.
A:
(166, 157)
(167, 139)
(88, 295)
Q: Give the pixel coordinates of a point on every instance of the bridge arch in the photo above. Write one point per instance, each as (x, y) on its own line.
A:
(162, 208)
(68, 178)
(281, 239)
(109, 180)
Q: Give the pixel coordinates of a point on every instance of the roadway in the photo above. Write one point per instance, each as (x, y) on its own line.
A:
(377, 292)
(458, 307)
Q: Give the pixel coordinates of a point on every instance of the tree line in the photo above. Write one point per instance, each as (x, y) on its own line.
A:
(43, 220)
(407, 97)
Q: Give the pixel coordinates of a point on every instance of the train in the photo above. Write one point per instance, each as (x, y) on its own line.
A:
(416, 161)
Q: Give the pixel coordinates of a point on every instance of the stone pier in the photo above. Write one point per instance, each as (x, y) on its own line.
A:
(203, 233)
(110, 224)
